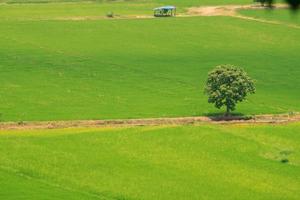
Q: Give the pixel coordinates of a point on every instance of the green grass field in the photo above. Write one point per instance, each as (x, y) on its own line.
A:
(283, 15)
(181, 162)
(63, 70)
(159, 2)
(62, 60)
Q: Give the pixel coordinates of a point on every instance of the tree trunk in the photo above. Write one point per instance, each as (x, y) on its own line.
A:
(227, 111)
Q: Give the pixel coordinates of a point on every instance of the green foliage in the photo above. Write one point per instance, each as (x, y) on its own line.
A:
(227, 85)
(265, 2)
(293, 3)
(110, 14)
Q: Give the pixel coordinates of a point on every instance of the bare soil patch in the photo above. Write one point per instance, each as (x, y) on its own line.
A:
(226, 10)
(84, 18)
(232, 11)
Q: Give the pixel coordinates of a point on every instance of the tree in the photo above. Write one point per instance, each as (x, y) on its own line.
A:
(294, 4)
(227, 85)
(264, 2)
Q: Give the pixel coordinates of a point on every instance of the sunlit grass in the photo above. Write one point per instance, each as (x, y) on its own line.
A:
(209, 161)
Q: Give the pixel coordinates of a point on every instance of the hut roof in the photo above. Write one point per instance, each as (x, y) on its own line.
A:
(165, 8)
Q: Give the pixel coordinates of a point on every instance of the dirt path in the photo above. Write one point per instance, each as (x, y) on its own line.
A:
(260, 119)
(225, 10)
(232, 11)
(216, 10)
(267, 21)
(84, 18)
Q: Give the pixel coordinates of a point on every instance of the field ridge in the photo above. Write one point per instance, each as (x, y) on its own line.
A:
(51, 184)
(257, 119)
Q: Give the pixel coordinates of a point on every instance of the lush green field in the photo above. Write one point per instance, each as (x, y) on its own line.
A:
(81, 9)
(184, 162)
(56, 65)
(179, 3)
(54, 70)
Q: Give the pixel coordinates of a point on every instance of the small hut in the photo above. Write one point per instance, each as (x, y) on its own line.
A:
(165, 11)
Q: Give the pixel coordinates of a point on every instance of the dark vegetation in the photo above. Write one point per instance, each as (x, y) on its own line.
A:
(227, 85)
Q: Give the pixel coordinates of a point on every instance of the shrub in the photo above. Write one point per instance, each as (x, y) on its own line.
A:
(110, 14)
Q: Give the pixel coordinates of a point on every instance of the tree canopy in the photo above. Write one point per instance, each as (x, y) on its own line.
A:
(294, 4)
(227, 85)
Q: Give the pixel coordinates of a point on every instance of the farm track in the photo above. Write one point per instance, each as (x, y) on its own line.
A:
(259, 119)
(232, 11)
(224, 10)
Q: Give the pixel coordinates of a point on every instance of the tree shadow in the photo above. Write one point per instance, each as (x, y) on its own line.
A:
(220, 116)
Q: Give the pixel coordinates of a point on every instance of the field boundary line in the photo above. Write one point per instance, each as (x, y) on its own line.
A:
(18, 173)
(258, 119)
(232, 11)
